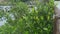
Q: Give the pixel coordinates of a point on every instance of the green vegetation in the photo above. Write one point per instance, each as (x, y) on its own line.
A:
(36, 21)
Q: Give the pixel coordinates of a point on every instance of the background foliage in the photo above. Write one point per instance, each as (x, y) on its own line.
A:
(35, 21)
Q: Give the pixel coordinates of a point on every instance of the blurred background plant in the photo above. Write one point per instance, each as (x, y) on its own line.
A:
(25, 18)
